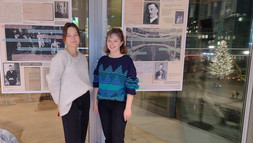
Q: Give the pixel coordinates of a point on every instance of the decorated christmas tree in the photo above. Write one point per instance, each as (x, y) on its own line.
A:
(222, 62)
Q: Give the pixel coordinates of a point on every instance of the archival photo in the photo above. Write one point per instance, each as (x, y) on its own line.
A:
(179, 17)
(32, 43)
(11, 74)
(161, 70)
(151, 44)
(151, 12)
(61, 9)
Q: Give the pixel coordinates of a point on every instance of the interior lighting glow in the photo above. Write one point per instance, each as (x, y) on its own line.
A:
(208, 53)
(246, 52)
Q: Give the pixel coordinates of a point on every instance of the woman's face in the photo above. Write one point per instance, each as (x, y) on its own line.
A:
(72, 38)
(113, 43)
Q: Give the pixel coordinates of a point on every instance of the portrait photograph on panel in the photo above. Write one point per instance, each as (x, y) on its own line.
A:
(151, 13)
(179, 17)
(61, 9)
(11, 74)
(161, 71)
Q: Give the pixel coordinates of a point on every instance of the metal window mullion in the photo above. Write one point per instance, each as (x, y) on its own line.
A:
(97, 31)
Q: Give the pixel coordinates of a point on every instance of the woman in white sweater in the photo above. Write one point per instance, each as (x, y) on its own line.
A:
(69, 84)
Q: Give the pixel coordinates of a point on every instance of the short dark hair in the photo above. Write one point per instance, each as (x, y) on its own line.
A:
(118, 32)
(156, 5)
(65, 30)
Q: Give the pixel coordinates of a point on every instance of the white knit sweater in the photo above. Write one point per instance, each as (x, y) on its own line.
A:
(68, 79)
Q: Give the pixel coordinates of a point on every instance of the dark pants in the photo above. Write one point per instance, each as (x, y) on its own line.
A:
(75, 123)
(112, 119)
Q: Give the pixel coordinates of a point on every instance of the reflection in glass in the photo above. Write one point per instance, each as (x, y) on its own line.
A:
(210, 106)
(114, 8)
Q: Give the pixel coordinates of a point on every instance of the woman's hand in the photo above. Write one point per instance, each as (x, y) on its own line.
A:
(95, 108)
(58, 113)
(127, 114)
(95, 105)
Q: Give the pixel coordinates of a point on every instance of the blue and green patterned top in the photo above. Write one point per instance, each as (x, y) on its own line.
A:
(115, 78)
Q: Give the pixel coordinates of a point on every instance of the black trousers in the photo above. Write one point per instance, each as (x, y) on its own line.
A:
(75, 123)
(112, 120)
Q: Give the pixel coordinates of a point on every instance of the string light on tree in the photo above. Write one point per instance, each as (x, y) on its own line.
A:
(222, 63)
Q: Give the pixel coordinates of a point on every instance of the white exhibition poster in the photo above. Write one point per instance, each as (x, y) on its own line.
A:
(31, 34)
(155, 33)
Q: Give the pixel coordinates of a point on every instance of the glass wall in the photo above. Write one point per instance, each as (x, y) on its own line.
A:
(211, 105)
(32, 118)
(114, 13)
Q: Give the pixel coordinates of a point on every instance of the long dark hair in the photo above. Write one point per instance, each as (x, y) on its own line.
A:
(65, 29)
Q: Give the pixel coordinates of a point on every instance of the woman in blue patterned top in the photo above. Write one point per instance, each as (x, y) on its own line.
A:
(114, 85)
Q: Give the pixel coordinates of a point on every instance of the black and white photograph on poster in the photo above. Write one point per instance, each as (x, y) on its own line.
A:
(157, 47)
(179, 17)
(32, 43)
(161, 71)
(11, 74)
(151, 13)
(61, 9)
(151, 44)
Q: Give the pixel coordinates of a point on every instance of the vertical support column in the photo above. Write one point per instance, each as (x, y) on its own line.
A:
(248, 108)
(97, 33)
